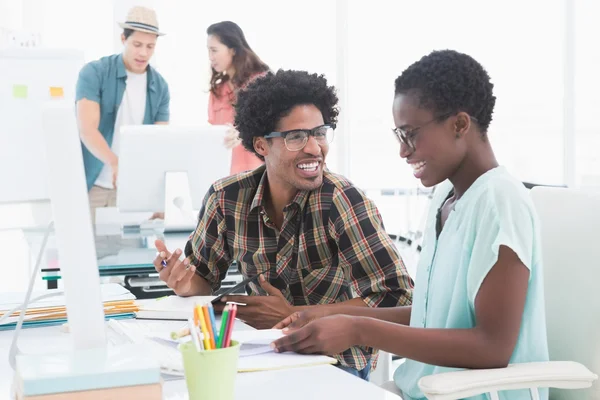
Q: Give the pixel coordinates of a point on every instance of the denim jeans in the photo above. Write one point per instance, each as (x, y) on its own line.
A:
(362, 374)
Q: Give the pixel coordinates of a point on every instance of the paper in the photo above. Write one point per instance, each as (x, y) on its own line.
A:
(273, 361)
(253, 342)
(156, 336)
(20, 91)
(56, 92)
(256, 342)
(109, 292)
(264, 336)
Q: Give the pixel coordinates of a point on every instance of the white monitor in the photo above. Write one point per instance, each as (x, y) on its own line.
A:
(168, 168)
(73, 226)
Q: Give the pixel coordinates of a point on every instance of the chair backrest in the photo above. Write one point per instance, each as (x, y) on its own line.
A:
(570, 221)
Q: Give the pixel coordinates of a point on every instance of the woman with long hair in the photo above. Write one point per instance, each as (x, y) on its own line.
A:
(234, 64)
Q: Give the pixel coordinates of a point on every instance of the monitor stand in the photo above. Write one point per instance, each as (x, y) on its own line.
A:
(179, 213)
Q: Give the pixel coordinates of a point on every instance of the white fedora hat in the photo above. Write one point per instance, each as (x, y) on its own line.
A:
(142, 19)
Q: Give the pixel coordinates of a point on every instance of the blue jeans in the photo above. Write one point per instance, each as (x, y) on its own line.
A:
(362, 374)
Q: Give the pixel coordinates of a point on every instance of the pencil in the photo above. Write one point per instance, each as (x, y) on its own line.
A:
(209, 328)
(223, 327)
(215, 329)
(230, 325)
(204, 329)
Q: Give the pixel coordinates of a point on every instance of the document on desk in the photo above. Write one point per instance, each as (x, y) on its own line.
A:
(255, 351)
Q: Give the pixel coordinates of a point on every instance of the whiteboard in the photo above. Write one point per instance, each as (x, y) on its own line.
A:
(30, 77)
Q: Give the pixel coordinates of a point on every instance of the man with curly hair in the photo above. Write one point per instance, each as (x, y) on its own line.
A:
(315, 239)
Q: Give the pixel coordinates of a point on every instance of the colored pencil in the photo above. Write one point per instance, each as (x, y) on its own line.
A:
(230, 325)
(204, 329)
(224, 318)
(215, 329)
(213, 344)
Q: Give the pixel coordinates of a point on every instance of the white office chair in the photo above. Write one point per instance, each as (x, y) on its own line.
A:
(569, 221)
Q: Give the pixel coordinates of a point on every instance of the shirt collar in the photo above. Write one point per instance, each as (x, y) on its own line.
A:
(122, 72)
(259, 198)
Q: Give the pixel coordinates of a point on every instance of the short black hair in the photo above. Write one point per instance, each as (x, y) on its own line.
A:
(127, 32)
(447, 81)
(269, 98)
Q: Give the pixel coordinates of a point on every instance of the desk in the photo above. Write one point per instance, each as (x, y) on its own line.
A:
(127, 254)
(322, 382)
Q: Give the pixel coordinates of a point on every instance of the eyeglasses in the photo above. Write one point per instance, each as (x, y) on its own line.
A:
(408, 137)
(296, 139)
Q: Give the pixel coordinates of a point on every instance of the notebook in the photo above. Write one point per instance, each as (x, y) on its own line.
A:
(170, 307)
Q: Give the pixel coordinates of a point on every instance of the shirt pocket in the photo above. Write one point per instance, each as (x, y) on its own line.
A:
(319, 254)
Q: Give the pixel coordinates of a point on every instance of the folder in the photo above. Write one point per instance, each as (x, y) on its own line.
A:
(118, 302)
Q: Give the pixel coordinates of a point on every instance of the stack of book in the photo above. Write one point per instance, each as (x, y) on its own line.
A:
(118, 303)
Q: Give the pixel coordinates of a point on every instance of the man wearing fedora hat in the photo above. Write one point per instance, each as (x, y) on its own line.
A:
(121, 89)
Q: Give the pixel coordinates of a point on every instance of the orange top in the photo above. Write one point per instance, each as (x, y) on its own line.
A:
(221, 112)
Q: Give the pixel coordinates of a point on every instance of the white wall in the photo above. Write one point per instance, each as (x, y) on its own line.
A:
(522, 52)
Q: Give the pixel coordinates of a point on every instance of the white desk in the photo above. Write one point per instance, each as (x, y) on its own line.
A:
(323, 382)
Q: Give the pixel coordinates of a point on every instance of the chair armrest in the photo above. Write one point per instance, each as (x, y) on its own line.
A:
(466, 383)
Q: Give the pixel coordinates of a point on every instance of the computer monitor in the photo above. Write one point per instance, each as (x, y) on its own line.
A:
(169, 168)
(73, 226)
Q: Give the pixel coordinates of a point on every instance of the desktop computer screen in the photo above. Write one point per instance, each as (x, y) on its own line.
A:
(168, 168)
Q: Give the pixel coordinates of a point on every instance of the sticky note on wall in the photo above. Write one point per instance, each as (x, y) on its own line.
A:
(20, 91)
(56, 92)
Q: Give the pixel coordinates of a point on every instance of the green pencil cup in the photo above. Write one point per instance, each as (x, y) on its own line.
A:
(210, 374)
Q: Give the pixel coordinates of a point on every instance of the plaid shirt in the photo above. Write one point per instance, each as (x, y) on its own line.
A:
(332, 246)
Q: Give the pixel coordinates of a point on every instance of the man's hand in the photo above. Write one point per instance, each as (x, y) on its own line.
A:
(329, 335)
(176, 274)
(115, 172)
(261, 312)
(158, 215)
(300, 318)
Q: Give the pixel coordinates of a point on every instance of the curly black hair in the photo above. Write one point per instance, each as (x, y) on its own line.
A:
(447, 81)
(267, 99)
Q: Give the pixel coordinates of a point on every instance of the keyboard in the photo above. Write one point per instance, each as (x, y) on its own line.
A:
(167, 354)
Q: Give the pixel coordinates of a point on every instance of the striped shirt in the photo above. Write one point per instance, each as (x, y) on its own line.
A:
(331, 247)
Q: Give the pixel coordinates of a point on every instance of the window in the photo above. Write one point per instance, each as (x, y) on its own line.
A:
(524, 62)
(587, 86)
